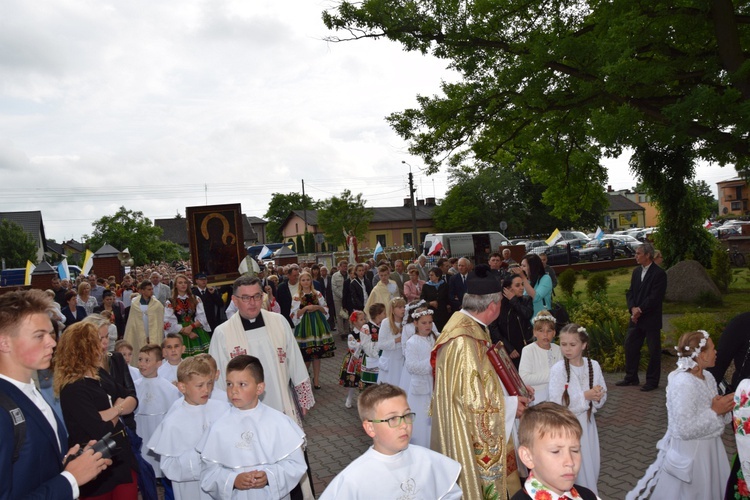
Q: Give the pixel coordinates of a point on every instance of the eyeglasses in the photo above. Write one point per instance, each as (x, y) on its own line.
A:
(396, 421)
(250, 298)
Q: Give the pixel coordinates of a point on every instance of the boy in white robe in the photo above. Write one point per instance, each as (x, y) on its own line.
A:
(188, 418)
(252, 452)
(392, 467)
(155, 397)
(172, 349)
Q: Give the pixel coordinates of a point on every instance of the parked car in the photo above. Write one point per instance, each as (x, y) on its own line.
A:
(557, 255)
(532, 244)
(600, 250)
(573, 235)
(631, 243)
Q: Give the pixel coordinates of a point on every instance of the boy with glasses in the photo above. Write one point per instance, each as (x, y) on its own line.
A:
(393, 467)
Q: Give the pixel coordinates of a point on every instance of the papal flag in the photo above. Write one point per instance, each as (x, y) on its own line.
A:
(378, 249)
(599, 234)
(62, 269)
(553, 238)
(29, 269)
(265, 252)
(88, 262)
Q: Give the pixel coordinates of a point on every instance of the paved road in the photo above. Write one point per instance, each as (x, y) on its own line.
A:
(630, 424)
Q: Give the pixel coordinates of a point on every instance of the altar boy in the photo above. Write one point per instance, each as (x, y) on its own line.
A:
(393, 468)
(175, 438)
(155, 397)
(252, 452)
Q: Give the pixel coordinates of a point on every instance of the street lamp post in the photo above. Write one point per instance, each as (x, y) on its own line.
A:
(412, 190)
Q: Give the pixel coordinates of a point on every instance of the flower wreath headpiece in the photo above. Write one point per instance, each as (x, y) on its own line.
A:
(543, 317)
(688, 362)
(419, 314)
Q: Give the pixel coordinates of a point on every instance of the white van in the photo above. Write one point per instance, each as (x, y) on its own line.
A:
(476, 246)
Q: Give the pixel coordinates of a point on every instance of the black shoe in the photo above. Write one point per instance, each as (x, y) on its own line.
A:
(626, 382)
(648, 388)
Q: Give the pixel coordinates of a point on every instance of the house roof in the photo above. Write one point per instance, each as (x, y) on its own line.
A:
(32, 224)
(379, 214)
(256, 220)
(106, 250)
(78, 247)
(176, 230)
(619, 203)
(54, 247)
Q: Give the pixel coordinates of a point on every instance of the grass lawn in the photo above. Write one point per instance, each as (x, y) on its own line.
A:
(735, 302)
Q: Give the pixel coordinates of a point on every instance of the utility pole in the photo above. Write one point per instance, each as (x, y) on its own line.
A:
(412, 190)
(304, 212)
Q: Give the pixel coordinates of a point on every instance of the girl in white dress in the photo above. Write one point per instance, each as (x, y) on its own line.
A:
(577, 383)
(389, 341)
(538, 357)
(692, 463)
(417, 352)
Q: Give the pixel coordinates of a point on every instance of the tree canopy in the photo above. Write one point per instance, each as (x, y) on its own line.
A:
(16, 245)
(557, 85)
(131, 230)
(279, 208)
(479, 201)
(344, 213)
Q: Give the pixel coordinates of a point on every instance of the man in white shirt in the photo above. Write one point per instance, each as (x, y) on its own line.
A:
(39, 469)
(337, 286)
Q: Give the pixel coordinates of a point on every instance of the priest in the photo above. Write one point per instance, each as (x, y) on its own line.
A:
(267, 336)
(472, 414)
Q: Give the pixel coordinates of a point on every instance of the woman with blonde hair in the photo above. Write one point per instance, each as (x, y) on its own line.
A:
(311, 329)
(184, 314)
(92, 404)
(85, 299)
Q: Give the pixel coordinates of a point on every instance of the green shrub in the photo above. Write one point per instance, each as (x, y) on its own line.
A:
(596, 286)
(567, 281)
(721, 268)
(585, 274)
(691, 322)
(607, 326)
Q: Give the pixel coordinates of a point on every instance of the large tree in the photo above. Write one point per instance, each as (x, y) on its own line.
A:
(279, 208)
(558, 84)
(16, 245)
(344, 213)
(131, 230)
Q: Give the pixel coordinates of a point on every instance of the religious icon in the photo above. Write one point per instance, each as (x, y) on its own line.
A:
(216, 241)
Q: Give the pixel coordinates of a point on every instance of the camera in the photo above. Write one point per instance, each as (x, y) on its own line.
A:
(106, 446)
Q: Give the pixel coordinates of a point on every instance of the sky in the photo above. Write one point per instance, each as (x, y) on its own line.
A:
(157, 106)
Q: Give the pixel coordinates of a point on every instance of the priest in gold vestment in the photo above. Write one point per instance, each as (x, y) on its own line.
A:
(472, 416)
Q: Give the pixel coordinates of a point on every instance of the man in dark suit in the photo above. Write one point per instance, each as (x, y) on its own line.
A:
(457, 284)
(645, 296)
(38, 471)
(211, 299)
(285, 292)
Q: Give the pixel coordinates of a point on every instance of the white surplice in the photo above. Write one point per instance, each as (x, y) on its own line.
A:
(415, 473)
(155, 397)
(417, 362)
(250, 440)
(175, 439)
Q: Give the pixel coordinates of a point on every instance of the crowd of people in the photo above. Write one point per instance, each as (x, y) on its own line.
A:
(216, 381)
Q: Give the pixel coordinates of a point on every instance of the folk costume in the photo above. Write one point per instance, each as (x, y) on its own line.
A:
(145, 325)
(470, 422)
(371, 358)
(351, 368)
(577, 383)
(248, 440)
(174, 440)
(188, 311)
(312, 331)
(415, 472)
(533, 489)
(737, 485)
